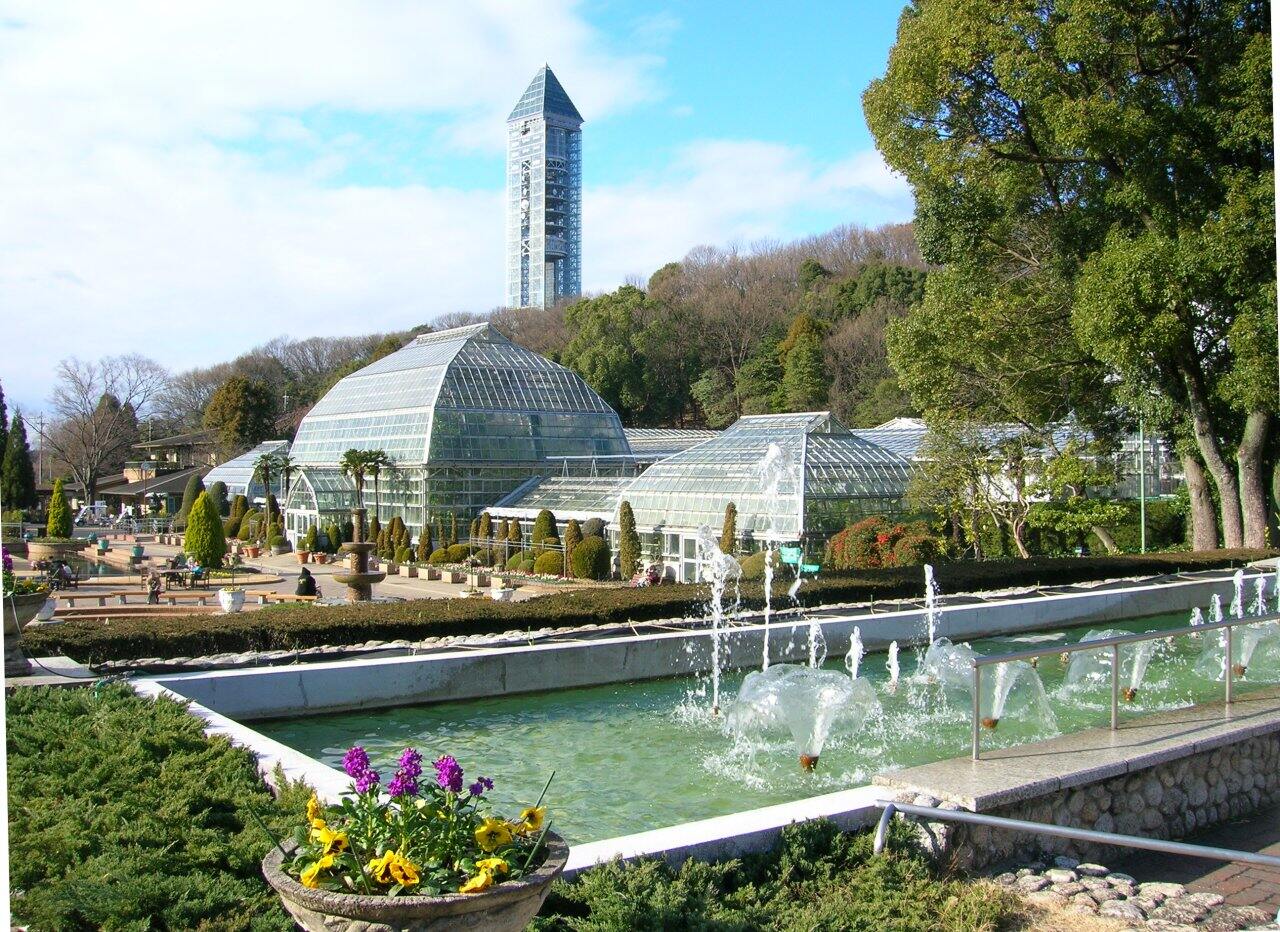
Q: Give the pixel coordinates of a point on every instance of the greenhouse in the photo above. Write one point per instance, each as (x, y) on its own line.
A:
(466, 415)
(791, 477)
(238, 473)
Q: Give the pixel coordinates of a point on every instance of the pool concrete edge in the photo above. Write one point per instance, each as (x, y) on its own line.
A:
(252, 693)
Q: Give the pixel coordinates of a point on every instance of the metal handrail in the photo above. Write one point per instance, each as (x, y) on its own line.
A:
(1063, 831)
(1228, 625)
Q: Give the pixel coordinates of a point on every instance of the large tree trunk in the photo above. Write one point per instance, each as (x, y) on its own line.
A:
(1105, 536)
(1204, 521)
(1211, 454)
(1253, 491)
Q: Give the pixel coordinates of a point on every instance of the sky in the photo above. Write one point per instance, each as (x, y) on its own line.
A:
(189, 180)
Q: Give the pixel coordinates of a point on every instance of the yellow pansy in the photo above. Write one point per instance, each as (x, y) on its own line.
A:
(311, 876)
(493, 834)
(531, 819)
(314, 810)
(393, 867)
(481, 881)
(332, 841)
(493, 865)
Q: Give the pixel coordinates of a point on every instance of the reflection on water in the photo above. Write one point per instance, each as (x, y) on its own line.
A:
(636, 756)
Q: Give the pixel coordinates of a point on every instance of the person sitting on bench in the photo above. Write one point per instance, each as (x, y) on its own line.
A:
(306, 583)
(153, 588)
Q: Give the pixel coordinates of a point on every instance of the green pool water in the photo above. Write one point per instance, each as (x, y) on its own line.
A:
(630, 757)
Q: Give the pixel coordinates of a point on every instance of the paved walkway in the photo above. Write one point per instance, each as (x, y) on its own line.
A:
(1241, 884)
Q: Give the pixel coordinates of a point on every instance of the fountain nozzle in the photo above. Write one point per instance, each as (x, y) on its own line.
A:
(990, 723)
(808, 762)
(1130, 693)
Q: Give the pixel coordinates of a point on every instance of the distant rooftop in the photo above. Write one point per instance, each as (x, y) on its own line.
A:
(545, 96)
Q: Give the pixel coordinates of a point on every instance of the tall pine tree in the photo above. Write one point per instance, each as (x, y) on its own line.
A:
(17, 477)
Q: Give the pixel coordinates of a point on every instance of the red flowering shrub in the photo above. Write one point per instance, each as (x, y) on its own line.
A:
(873, 542)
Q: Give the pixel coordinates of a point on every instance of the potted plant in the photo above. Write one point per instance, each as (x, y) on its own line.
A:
(279, 545)
(409, 570)
(424, 855)
(136, 552)
(23, 598)
(231, 598)
(320, 556)
(502, 590)
(467, 592)
(307, 546)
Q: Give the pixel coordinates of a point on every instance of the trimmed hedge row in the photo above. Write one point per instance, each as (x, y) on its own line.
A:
(289, 627)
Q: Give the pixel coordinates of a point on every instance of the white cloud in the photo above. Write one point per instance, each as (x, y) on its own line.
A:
(148, 206)
(720, 191)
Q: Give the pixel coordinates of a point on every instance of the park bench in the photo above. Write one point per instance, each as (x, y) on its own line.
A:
(266, 598)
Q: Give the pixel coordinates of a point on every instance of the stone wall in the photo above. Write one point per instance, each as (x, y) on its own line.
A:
(1169, 800)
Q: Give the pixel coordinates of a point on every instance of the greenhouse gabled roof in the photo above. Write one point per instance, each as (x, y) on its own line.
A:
(578, 497)
(465, 394)
(774, 468)
(237, 472)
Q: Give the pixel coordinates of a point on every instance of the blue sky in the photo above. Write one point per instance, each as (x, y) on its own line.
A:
(292, 167)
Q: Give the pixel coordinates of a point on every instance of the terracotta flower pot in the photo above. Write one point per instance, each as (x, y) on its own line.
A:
(505, 907)
(302, 555)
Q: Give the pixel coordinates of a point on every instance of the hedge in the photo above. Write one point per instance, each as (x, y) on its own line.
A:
(290, 627)
(550, 563)
(591, 559)
(124, 815)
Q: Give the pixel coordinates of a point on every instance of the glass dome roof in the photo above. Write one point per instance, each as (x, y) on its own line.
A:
(465, 395)
(788, 475)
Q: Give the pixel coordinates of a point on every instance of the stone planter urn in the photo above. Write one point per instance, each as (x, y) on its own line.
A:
(506, 907)
(231, 600)
(18, 610)
(46, 610)
(302, 555)
(408, 571)
(501, 595)
(136, 552)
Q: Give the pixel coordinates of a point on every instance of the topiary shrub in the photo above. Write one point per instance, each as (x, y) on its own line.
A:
(526, 563)
(550, 563)
(404, 555)
(628, 542)
(218, 492)
(278, 540)
(572, 538)
(729, 530)
(438, 557)
(593, 527)
(544, 528)
(514, 563)
(309, 541)
(195, 486)
(914, 549)
(205, 540)
(592, 560)
(248, 525)
(59, 523)
(753, 565)
(458, 553)
(231, 526)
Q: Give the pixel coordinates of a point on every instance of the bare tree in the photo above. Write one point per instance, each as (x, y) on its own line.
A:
(97, 408)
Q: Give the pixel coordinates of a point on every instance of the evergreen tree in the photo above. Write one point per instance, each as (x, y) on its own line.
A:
(486, 526)
(425, 548)
(59, 523)
(453, 530)
(628, 543)
(475, 528)
(544, 527)
(572, 537)
(729, 533)
(440, 535)
(218, 493)
(514, 534)
(4, 422)
(205, 540)
(17, 478)
(374, 528)
(804, 376)
(239, 505)
(195, 485)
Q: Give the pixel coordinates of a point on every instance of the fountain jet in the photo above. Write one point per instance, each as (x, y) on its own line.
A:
(717, 567)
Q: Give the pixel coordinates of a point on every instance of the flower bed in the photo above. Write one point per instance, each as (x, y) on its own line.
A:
(289, 627)
(122, 814)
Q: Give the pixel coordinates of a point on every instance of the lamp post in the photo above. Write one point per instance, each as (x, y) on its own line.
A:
(1142, 487)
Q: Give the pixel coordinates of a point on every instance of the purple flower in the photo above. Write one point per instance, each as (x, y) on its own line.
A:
(449, 774)
(8, 560)
(411, 762)
(367, 781)
(478, 788)
(355, 762)
(402, 784)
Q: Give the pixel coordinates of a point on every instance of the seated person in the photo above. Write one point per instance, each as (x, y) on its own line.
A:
(153, 588)
(197, 571)
(306, 583)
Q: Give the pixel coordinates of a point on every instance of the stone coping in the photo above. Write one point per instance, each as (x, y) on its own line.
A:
(1011, 775)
